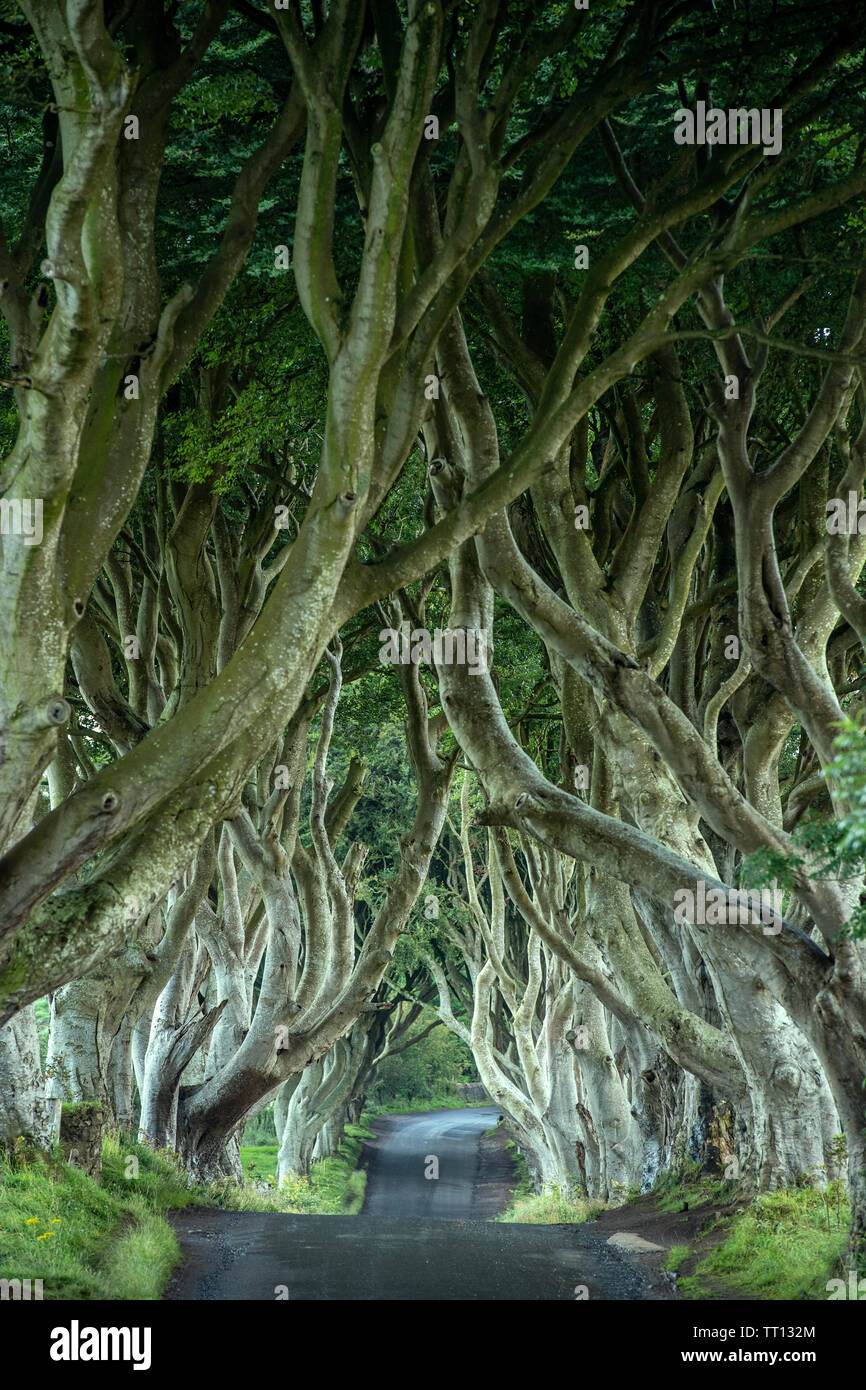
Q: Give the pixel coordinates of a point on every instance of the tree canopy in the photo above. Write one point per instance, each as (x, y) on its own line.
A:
(325, 322)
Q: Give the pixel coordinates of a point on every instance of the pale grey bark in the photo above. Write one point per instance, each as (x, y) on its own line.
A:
(26, 1106)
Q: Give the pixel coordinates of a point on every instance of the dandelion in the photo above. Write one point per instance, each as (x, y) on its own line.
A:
(57, 1221)
(30, 1220)
(45, 1235)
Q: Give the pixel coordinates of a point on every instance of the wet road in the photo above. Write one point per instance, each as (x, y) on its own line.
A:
(417, 1239)
(432, 1165)
(269, 1256)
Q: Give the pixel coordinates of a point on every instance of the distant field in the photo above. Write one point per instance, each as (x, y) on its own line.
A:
(263, 1157)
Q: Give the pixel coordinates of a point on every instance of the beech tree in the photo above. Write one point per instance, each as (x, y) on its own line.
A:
(581, 384)
(771, 987)
(379, 343)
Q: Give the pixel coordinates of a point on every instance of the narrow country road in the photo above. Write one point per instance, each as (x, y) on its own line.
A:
(434, 1165)
(417, 1238)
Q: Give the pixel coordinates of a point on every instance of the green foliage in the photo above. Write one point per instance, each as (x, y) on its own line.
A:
(424, 1072)
(785, 1244)
(260, 1130)
(336, 1185)
(259, 1161)
(779, 1248)
(834, 849)
(82, 1240)
(677, 1186)
(623, 1193)
(386, 807)
(356, 1188)
(553, 1206)
(269, 427)
(675, 1256)
(398, 1105)
(160, 1180)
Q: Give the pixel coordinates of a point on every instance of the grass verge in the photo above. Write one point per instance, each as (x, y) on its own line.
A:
(777, 1245)
(336, 1185)
(785, 1245)
(553, 1206)
(83, 1240)
(675, 1256)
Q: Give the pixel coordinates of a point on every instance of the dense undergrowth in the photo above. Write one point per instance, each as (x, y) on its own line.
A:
(785, 1244)
(781, 1247)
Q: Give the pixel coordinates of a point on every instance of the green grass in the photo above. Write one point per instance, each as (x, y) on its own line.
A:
(110, 1240)
(336, 1185)
(82, 1240)
(524, 1186)
(259, 1162)
(673, 1188)
(138, 1263)
(675, 1256)
(155, 1176)
(356, 1189)
(692, 1288)
(400, 1105)
(784, 1245)
(780, 1248)
(260, 1130)
(551, 1207)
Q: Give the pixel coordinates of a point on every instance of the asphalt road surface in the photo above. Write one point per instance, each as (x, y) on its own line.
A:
(433, 1165)
(418, 1238)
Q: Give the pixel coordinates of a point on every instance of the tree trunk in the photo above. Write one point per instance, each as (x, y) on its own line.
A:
(24, 1108)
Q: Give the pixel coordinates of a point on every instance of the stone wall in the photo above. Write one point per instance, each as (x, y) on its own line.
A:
(471, 1090)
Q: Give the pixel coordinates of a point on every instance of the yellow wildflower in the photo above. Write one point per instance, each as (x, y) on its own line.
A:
(30, 1220)
(45, 1235)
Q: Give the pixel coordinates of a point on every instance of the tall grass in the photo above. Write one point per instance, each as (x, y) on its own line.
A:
(553, 1206)
(82, 1240)
(786, 1245)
